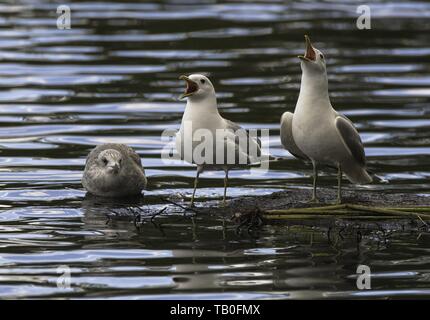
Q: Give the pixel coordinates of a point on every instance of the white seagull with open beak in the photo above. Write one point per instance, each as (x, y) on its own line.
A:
(316, 132)
(201, 112)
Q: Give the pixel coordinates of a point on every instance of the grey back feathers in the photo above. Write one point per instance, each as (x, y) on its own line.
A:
(114, 170)
(257, 143)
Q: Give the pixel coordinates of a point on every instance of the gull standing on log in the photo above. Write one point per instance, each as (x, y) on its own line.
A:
(319, 134)
(201, 113)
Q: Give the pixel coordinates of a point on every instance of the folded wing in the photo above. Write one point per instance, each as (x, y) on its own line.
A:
(287, 139)
(351, 139)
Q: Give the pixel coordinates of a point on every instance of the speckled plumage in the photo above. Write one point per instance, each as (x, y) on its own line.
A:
(114, 170)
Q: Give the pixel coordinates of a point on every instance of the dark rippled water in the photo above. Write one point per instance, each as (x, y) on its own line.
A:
(113, 77)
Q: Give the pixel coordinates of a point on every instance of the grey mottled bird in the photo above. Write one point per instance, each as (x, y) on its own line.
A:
(316, 132)
(114, 170)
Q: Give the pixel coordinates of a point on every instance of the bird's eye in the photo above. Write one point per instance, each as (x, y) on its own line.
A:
(202, 81)
(105, 162)
(321, 56)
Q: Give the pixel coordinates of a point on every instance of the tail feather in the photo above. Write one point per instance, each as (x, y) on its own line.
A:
(268, 159)
(357, 174)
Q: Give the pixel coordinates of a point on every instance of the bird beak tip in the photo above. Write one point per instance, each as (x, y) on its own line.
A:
(310, 54)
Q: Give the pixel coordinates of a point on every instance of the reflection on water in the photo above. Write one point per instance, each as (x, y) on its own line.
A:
(113, 77)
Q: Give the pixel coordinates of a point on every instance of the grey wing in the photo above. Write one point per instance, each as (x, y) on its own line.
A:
(287, 139)
(134, 156)
(351, 138)
(257, 143)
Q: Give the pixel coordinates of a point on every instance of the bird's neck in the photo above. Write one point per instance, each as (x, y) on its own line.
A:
(314, 91)
(201, 107)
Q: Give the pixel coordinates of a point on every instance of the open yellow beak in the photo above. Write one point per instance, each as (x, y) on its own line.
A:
(310, 54)
(191, 88)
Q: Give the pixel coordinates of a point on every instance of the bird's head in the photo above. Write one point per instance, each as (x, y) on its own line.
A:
(198, 86)
(110, 161)
(313, 61)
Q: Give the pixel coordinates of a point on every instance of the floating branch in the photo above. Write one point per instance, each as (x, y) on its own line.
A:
(349, 211)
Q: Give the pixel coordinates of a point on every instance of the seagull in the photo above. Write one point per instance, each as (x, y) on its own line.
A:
(201, 115)
(317, 133)
(114, 170)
